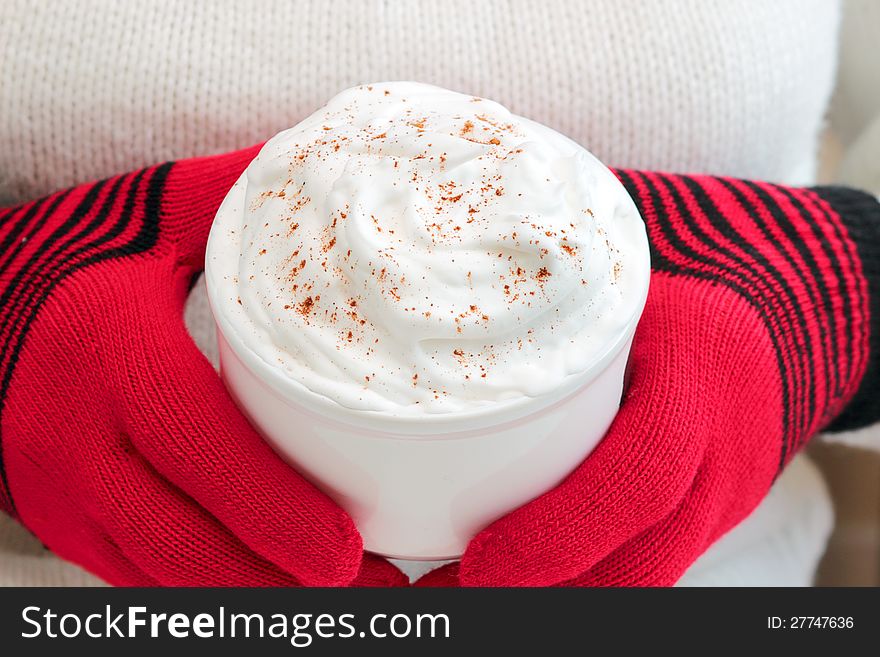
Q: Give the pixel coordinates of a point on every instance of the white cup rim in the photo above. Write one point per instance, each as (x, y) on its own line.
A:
(490, 415)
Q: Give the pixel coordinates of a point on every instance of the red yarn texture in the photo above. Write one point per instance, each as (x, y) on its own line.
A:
(122, 451)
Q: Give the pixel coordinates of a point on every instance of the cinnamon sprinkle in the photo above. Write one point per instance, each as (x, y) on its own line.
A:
(306, 306)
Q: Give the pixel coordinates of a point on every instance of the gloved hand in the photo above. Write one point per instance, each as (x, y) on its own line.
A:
(762, 326)
(121, 450)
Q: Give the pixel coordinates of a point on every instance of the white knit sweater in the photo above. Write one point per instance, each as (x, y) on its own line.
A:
(95, 87)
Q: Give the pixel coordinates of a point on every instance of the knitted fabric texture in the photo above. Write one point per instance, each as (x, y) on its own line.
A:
(121, 450)
(761, 326)
(92, 88)
(757, 332)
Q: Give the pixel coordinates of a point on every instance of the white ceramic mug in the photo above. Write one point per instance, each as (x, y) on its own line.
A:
(421, 486)
(425, 496)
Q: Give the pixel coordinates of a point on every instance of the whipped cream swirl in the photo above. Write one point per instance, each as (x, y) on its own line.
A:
(411, 250)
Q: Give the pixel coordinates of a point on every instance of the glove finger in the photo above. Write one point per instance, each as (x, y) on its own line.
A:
(182, 420)
(193, 549)
(716, 502)
(376, 571)
(169, 536)
(661, 555)
(443, 577)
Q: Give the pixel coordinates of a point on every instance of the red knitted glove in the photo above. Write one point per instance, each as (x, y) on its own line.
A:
(121, 450)
(761, 328)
